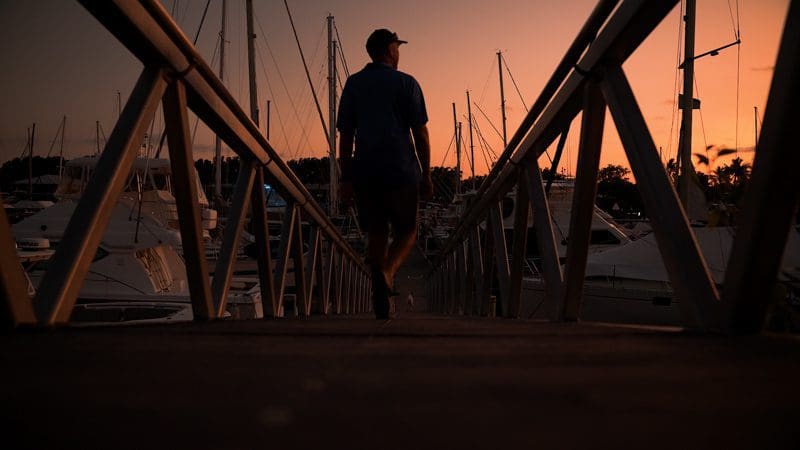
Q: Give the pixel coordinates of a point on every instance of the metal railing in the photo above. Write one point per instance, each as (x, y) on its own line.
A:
(176, 75)
(589, 79)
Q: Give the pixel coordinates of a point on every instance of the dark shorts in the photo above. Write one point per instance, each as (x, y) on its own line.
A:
(379, 207)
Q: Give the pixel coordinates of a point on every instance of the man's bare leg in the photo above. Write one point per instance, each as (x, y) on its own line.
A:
(398, 252)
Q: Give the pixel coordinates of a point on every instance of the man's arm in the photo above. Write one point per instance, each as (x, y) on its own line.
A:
(423, 145)
(346, 139)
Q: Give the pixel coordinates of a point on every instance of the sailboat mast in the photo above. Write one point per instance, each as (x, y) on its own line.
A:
(471, 145)
(332, 194)
(458, 149)
(502, 97)
(218, 141)
(251, 62)
(687, 103)
(97, 135)
(755, 127)
(267, 125)
(30, 163)
(61, 151)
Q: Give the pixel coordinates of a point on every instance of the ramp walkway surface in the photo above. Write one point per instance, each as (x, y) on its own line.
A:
(419, 381)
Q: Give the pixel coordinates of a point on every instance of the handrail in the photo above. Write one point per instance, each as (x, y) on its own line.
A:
(150, 33)
(585, 37)
(622, 34)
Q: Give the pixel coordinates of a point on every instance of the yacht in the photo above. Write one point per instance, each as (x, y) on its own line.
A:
(138, 272)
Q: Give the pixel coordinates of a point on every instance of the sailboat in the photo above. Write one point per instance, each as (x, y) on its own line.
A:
(138, 273)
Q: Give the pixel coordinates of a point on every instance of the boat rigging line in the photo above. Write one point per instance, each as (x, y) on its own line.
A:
(486, 149)
(514, 82)
(341, 50)
(163, 137)
(305, 66)
(285, 89)
(679, 48)
(449, 146)
(499, 134)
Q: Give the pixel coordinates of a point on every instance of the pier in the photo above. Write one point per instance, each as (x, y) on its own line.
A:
(466, 370)
(419, 381)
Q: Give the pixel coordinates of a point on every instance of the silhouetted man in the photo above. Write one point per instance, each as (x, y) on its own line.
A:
(381, 108)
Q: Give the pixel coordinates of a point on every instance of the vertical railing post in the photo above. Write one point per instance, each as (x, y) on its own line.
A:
(461, 268)
(237, 213)
(440, 288)
(518, 246)
(301, 293)
(284, 252)
(260, 222)
(488, 269)
(685, 264)
(476, 272)
(176, 117)
(59, 288)
(311, 266)
(348, 284)
(545, 238)
(324, 279)
(580, 224)
(340, 266)
(452, 287)
(501, 255)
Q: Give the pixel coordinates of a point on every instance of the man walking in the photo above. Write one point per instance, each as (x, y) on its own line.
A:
(380, 110)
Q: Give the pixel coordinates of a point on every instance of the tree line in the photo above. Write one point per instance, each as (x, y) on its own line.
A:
(724, 185)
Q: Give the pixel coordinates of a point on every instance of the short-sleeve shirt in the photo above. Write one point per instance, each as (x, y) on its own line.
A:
(381, 105)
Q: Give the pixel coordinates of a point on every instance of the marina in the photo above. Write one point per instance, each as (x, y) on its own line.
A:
(212, 289)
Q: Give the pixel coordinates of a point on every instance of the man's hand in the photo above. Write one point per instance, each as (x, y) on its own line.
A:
(346, 193)
(426, 188)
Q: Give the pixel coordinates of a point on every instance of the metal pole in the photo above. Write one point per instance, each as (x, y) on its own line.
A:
(218, 140)
(685, 264)
(61, 151)
(755, 126)
(269, 104)
(458, 150)
(471, 144)
(687, 103)
(582, 211)
(333, 198)
(30, 163)
(97, 135)
(502, 97)
(189, 220)
(458, 158)
(223, 270)
(251, 62)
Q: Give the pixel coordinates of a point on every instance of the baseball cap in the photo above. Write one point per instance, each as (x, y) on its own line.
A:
(379, 41)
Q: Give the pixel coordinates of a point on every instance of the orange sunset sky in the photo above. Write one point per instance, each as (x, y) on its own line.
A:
(58, 60)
